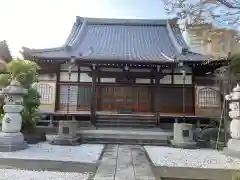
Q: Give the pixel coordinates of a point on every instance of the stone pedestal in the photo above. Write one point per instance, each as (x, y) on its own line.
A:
(233, 145)
(67, 134)
(12, 142)
(183, 136)
(11, 139)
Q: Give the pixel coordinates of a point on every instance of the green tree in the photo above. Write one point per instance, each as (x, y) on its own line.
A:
(235, 64)
(26, 72)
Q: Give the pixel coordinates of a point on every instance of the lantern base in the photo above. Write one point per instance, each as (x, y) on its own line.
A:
(233, 148)
(12, 142)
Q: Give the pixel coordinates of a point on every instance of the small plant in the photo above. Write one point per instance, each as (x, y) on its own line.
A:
(236, 176)
(26, 72)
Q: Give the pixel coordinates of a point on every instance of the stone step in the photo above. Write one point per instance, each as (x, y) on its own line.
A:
(127, 120)
(126, 117)
(132, 125)
(126, 141)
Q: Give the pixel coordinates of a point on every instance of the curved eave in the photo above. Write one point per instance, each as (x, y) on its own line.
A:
(31, 53)
(98, 60)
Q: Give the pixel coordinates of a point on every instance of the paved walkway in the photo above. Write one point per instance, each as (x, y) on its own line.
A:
(124, 162)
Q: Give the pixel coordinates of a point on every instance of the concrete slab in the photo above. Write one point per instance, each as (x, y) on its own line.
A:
(43, 156)
(107, 168)
(13, 174)
(124, 168)
(142, 168)
(124, 162)
(85, 153)
(191, 163)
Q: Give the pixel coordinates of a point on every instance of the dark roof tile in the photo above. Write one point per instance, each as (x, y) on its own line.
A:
(122, 39)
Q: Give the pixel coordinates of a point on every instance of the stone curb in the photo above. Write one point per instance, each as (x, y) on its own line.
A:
(193, 173)
(48, 165)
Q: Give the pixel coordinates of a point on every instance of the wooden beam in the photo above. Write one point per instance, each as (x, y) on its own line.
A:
(125, 73)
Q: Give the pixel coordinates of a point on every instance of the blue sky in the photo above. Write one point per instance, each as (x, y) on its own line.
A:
(47, 23)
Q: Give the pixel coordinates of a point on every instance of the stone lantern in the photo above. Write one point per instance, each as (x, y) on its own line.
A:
(233, 145)
(11, 139)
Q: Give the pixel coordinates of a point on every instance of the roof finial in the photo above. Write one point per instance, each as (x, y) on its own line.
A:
(78, 20)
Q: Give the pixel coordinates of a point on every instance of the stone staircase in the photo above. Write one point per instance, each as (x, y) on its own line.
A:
(126, 120)
(134, 136)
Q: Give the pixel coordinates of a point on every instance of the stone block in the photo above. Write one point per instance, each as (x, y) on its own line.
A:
(67, 134)
(65, 141)
(12, 142)
(67, 128)
(183, 136)
(183, 132)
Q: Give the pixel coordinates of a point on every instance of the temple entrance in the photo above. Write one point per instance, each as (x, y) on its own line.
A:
(125, 99)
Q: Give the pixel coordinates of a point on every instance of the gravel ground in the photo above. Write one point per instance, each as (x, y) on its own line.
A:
(12, 174)
(195, 158)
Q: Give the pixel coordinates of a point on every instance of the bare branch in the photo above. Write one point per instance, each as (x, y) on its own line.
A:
(221, 12)
(233, 5)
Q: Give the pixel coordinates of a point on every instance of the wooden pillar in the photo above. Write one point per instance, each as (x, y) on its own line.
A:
(157, 93)
(152, 90)
(194, 91)
(93, 96)
(57, 92)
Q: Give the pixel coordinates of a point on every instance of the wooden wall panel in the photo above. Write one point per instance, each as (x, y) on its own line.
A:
(47, 90)
(79, 97)
(117, 98)
(171, 100)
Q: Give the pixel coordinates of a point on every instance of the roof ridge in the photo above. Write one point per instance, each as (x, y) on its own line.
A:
(136, 21)
(79, 33)
(180, 47)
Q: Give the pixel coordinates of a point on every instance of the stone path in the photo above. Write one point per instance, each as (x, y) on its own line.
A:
(124, 162)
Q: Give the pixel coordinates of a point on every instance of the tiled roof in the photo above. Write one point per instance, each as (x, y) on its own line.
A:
(122, 39)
